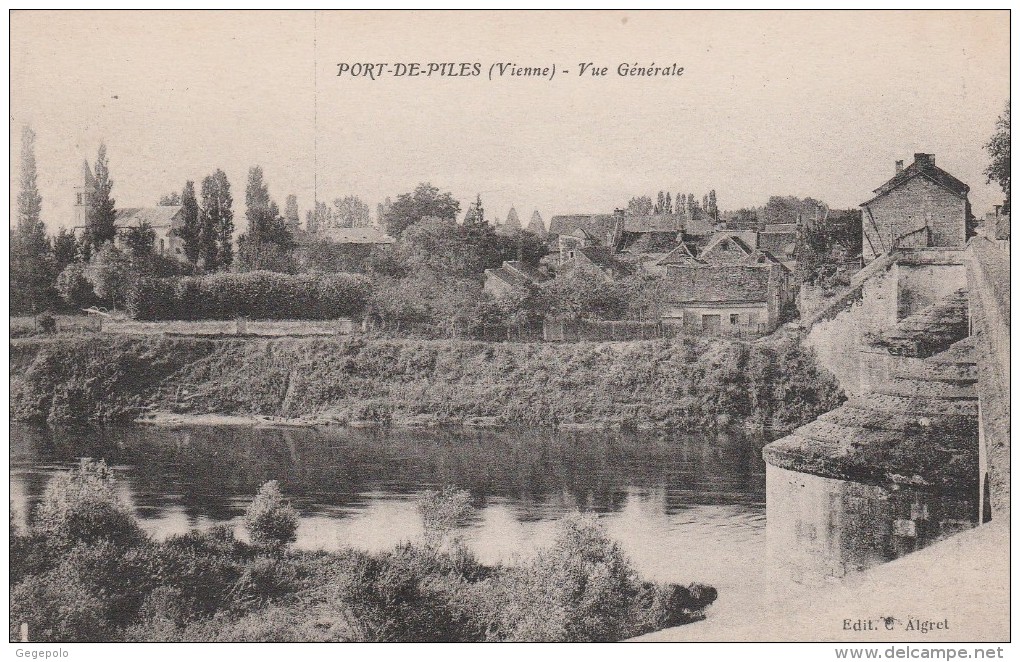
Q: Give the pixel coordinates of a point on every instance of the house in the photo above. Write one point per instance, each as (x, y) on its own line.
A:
(164, 221)
(596, 260)
(745, 299)
(513, 275)
(921, 206)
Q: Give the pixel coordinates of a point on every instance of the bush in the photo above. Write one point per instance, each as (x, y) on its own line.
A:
(74, 288)
(270, 521)
(82, 506)
(47, 323)
(57, 607)
(256, 294)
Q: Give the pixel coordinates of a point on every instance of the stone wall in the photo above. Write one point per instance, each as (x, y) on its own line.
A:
(822, 529)
(988, 278)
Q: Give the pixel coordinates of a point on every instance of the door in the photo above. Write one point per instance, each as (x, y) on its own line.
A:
(711, 323)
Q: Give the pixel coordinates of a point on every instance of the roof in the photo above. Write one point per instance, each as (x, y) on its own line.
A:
(363, 235)
(682, 254)
(653, 223)
(153, 216)
(536, 224)
(724, 284)
(719, 241)
(702, 225)
(86, 174)
(780, 227)
(599, 226)
(780, 244)
(923, 166)
(525, 270)
(760, 256)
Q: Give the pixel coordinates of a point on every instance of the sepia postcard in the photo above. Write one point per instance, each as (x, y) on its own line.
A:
(510, 326)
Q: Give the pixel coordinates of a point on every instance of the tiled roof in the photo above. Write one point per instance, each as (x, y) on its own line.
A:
(365, 235)
(724, 284)
(525, 271)
(682, 254)
(599, 226)
(780, 244)
(653, 223)
(720, 240)
(154, 216)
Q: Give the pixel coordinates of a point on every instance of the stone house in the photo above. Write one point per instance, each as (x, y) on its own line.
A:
(922, 206)
(736, 299)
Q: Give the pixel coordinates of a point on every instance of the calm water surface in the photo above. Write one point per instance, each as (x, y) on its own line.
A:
(684, 507)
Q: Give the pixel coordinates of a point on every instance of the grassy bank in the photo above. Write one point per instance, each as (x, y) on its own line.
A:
(84, 571)
(683, 383)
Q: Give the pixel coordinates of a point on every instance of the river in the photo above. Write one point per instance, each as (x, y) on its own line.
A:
(684, 507)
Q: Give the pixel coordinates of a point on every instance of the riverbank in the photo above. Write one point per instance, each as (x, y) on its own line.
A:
(686, 383)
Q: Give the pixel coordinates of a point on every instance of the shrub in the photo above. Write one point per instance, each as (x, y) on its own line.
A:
(82, 506)
(74, 288)
(256, 294)
(270, 521)
(57, 607)
(47, 323)
(441, 512)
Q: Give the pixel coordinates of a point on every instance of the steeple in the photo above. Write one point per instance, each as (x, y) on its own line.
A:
(83, 195)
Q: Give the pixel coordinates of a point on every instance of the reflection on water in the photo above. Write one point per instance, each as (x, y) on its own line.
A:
(685, 508)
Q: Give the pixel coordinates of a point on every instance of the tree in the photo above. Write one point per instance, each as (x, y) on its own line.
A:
(140, 241)
(100, 225)
(73, 287)
(668, 208)
(640, 206)
(998, 170)
(268, 242)
(476, 212)
(65, 249)
(172, 199)
(713, 209)
(32, 266)
(271, 522)
(109, 272)
(426, 200)
(351, 212)
(191, 232)
(216, 236)
(660, 203)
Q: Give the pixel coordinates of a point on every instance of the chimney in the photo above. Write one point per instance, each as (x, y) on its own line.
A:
(998, 210)
(899, 166)
(924, 160)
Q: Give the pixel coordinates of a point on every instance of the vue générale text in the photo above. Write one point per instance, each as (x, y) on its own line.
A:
(376, 70)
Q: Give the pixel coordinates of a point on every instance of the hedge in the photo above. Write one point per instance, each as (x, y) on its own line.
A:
(256, 294)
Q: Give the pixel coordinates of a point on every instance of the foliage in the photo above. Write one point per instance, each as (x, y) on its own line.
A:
(81, 506)
(271, 522)
(216, 236)
(639, 206)
(998, 170)
(441, 513)
(350, 212)
(32, 266)
(172, 199)
(74, 288)
(140, 240)
(99, 223)
(409, 208)
(268, 242)
(47, 323)
(256, 294)
(190, 231)
(110, 274)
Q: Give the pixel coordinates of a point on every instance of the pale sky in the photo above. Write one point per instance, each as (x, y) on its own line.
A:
(814, 104)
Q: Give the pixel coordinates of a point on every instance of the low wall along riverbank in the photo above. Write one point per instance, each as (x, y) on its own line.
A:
(684, 383)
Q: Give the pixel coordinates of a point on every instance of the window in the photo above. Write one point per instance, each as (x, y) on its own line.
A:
(734, 318)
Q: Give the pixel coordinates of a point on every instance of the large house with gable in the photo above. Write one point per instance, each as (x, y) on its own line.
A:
(922, 206)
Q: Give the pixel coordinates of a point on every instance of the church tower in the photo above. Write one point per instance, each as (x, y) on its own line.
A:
(83, 196)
